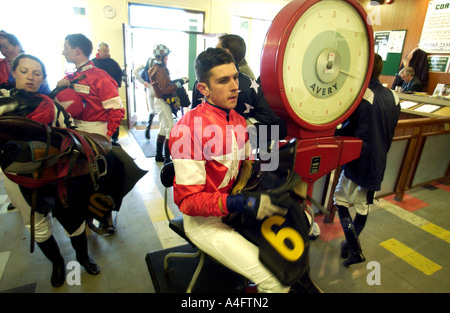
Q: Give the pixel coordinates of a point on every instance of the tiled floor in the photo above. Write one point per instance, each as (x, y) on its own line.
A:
(406, 244)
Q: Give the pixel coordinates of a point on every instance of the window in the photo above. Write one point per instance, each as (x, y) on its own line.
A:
(41, 31)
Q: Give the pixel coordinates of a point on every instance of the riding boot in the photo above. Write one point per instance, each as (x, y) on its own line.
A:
(351, 238)
(359, 222)
(354, 247)
(159, 148)
(166, 152)
(343, 213)
(149, 125)
(51, 251)
(79, 243)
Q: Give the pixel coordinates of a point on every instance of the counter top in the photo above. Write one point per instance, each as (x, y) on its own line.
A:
(424, 105)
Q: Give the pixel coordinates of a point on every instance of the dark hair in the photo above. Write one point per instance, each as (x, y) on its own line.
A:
(15, 63)
(377, 66)
(208, 59)
(11, 39)
(80, 41)
(236, 45)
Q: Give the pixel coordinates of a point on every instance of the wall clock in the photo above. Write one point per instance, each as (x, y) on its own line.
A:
(109, 11)
(315, 64)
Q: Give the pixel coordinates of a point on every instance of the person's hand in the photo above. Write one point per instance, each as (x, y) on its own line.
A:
(266, 208)
(245, 173)
(257, 205)
(63, 83)
(181, 81)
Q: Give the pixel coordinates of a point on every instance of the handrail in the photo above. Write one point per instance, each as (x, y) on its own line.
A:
(423, 121)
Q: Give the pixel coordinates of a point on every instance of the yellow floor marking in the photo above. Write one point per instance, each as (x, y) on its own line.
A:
(422, 223)
(410, 256)
(437, 231)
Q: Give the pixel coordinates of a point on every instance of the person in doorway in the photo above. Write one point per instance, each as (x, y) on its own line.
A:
(410, 82)
(204, 177)
(162, 86)
(96, 89)
(141, 74)
(25, 100)
(104, 61)
(374, 122)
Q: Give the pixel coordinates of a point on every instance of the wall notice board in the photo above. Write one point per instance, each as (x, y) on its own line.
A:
(389, 45)
(436, 28)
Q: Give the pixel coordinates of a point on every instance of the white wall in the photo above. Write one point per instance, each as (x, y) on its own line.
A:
(45, 32)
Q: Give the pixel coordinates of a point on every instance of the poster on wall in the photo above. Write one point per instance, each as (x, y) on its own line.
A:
(436, 28)
(381, 43)
(438, 63)
(389, 45)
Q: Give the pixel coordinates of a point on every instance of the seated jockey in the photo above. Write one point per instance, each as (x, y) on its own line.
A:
(207, 146)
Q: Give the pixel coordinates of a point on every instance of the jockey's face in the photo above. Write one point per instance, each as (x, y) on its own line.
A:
(222, 89)
(70, 53)
(9, 51)
(28, 75)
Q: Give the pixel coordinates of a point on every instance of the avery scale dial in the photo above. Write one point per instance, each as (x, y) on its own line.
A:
(315, 64)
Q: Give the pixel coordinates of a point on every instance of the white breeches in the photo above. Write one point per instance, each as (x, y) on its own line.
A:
(228, 247)
(43, 226)
(165, 117)
(348, 192)
(151, 100)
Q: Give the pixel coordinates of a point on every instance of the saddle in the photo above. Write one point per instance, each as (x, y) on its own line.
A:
(35, 155)
(61, 147)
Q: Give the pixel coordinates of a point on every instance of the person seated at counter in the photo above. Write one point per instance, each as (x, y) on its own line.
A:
(410, 82)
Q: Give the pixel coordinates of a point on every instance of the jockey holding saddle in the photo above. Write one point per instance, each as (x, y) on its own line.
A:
(24, 100)
(67, 169)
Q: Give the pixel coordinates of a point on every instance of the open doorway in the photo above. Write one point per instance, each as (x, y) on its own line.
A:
(139, 43)
(180, 33)
(142, 41)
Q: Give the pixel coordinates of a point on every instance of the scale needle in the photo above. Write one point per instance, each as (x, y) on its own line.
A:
(348, 74)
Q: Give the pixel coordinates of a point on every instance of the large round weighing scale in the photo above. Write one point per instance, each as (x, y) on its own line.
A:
(315, 67)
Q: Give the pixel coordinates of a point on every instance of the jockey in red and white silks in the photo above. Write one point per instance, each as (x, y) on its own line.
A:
(207, 146)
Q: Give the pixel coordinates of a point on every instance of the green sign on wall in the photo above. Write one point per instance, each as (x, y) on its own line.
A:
(438, 63)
